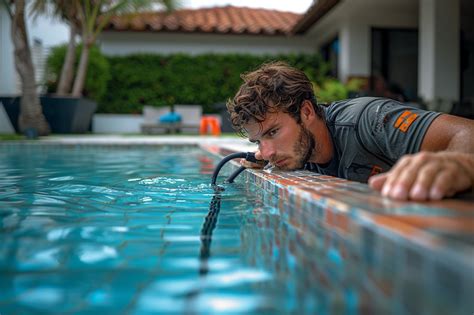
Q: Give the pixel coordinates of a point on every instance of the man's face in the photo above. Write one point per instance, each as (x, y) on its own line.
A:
(282, 141)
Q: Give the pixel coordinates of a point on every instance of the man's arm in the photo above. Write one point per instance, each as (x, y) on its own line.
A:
(443, 167)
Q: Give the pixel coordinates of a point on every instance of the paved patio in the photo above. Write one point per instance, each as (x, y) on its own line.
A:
(229, 143)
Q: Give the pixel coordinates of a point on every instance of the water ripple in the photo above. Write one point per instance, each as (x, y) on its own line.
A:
(91, 254)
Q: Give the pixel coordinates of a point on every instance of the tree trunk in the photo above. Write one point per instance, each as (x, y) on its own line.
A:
(82, 69)
(31, 114)
(67, 71)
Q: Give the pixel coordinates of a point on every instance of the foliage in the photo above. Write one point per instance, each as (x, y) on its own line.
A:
(331, 90)
(98, 73)
(91, 17)
(11, 137)
(182, 79)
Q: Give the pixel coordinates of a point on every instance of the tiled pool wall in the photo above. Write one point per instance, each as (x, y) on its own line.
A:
(419, 255)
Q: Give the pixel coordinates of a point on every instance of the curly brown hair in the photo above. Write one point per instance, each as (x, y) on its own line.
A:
(271, 88)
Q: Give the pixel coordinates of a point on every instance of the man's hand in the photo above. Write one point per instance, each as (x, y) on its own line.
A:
(427, 176)
(247, 164)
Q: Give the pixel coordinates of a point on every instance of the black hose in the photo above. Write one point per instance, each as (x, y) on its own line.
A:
(235, 174)
(249, 156)
(210, 221)
(206, 233)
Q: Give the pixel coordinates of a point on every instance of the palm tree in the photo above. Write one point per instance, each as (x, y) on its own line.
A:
(94, 15)
(31, 119)
(68, 11)
(89, 17)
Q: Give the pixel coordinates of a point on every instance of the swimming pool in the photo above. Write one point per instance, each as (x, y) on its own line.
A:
(127, 230)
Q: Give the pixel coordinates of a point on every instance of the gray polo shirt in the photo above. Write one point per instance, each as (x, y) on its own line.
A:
(370, 134)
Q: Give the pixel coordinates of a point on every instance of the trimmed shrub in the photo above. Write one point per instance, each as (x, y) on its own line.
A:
(98, 71)
(208, 79)
(331, 90)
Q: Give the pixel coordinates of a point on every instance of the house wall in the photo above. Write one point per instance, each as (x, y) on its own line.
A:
(353, 21)
(439, 45)
(124, 43)
(8, 78)
(354, 58)
(439, 22)
(39, 55)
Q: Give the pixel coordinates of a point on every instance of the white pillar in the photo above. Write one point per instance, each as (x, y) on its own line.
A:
(354, 56)
(438, 61)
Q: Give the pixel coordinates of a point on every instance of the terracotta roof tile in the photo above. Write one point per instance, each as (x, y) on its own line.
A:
(221, 20)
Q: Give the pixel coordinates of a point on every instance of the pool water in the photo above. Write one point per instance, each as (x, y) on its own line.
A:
(90, 230)
(139, 230)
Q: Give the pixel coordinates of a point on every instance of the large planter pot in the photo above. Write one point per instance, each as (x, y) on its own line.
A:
(64, 114)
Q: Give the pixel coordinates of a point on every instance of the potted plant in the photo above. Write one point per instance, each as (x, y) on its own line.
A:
(29, 119)
(67, 111)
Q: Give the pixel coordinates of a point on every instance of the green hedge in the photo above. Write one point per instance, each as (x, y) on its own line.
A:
(208, 79)
(98, 71)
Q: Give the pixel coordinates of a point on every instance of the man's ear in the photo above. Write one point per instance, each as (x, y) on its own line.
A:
(307, 111)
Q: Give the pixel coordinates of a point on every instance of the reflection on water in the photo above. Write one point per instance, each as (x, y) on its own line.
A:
(141, 231)
(206, 232)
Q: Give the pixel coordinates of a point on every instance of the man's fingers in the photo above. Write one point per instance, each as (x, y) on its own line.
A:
(376, 182)
(401, 170)
(448, 182)
(403, 181)
(248, 164)
(260, 162)
(421, 188)
(423, 176)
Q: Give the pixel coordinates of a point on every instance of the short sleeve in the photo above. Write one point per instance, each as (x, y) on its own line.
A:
(391, 129)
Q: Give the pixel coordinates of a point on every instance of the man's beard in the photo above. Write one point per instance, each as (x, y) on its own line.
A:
(303, 149)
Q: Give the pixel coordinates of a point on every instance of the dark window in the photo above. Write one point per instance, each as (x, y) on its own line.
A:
(394, 68)
(330, 53)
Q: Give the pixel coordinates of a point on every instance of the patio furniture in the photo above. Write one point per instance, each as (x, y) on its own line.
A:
(171, 121)
(190, 117)
(151, 115)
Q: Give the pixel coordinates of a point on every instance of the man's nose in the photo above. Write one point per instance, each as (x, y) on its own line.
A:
(267, 149)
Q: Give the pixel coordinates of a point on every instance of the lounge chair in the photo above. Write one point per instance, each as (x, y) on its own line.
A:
(190, 117)
(151, 116)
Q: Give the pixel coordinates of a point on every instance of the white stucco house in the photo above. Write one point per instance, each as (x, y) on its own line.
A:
(226, 29)
(208, 30)
(424, 47)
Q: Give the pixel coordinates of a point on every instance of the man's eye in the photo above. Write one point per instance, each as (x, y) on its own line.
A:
(272, 132)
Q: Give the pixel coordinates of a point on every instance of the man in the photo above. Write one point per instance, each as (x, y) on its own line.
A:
(421, 155)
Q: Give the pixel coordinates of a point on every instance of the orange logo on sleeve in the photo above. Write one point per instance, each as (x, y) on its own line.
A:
(405, 120)
(375, 170)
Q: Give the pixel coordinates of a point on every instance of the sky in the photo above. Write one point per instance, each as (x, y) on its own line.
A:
(52, 32)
